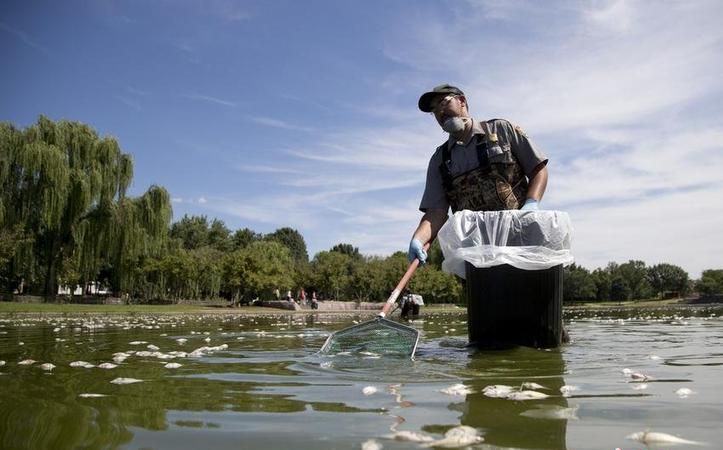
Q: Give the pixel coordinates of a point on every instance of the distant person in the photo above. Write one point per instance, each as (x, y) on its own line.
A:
(302, 297)
(289, 296)
(277, 294)
(314, 302)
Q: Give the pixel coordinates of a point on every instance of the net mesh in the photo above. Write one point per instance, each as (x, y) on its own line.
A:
(379, 337)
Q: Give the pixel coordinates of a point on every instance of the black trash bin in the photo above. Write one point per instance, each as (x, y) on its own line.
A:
(507, 306)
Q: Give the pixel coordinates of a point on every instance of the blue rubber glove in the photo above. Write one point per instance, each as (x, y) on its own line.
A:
(416, 250)
(530, 205)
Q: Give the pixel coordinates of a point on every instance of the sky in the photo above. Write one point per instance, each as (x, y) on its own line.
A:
(303, 114)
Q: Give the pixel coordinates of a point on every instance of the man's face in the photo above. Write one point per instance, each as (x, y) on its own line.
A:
(447, 106)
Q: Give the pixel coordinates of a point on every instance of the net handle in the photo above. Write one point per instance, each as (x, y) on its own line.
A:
(400, 286)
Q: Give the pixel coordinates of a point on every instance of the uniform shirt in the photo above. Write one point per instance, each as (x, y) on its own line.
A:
(464, 158)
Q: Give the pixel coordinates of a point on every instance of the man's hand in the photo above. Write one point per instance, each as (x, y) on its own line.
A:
(530, 205)
(416, 250)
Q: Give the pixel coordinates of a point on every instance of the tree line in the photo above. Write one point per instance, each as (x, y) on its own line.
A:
(65, 220)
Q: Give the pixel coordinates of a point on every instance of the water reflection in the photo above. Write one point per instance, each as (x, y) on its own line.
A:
(508, 423)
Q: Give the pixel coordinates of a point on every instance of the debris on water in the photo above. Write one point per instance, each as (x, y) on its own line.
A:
(89, 395)
(684, 392)
(2, 363)
(371, 444)
(655, 357)
(456, 389)
(640, 386)
(107, 366)
(568, 389)
(654, 437)
(369, 390)
(47, 366)
(533, 386)
(555, 412)
(202, 351)
(152, 347)
(411, 436)
(497, 391)
(637, 376)
(83, 364)
(137, 343)
(172, 365)
(526, 395)
(181, 340)
(461, 436)
(122, 380)
(26, 362)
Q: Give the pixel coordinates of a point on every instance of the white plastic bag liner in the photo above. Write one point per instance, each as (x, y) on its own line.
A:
(530, 240)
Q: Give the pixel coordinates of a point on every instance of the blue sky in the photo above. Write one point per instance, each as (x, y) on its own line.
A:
(267, 114)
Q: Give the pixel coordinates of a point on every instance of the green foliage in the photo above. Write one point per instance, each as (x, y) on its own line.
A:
(292, 240)
(332, 273)
(258, 269)
(436, 286)
(711, 282)
(668, 278)
(192, 231)
(578, 284)
(242, 238)
(347, 249)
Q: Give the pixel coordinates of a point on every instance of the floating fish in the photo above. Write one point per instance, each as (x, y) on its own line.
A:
(369, 390)
(85, 365)
(497, 391)
(126, 380)
(89, 395)
(152, 347)
(456, 389)
(371, 444)
(26, 362)
(2, 363)
(526, 395)
(107, 366)
(654, 437)
(529, 385)
(47, 366)
(172, 366)
(138, 343)
(181, 340)
(568, 389)
(411, 436)
(461, 436)
(684, 392)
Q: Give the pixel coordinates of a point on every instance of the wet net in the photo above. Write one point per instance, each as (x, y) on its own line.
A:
(379, 337)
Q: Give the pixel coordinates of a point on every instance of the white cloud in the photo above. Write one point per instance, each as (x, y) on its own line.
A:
(209, 99)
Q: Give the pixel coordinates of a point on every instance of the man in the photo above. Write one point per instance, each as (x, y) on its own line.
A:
(483, 166)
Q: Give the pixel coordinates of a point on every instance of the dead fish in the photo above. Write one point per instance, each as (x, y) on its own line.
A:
(138, 343)
(533, 386)
(461, 436)
(684, 392)
(497, 391)
(2, 363)
(126, 380)
(107, 366)
(89, 395)
(371, 444)
(526, 395)
(552, 412)
(172, 366)
(369, 390)
(85, 365)
(456, 389)
(152, 347)
(568, 389)
(654, 437)
(47, 366)
(411, 436)
(26, 362)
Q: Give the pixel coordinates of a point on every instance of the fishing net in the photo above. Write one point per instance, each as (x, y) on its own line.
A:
(379, 337)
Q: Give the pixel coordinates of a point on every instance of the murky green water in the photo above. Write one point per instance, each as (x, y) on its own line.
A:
(269, 390)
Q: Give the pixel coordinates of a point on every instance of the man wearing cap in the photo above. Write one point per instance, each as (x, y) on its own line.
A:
(483, 166)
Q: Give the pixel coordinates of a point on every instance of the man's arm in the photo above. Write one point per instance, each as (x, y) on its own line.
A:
(429, 225)
(538, 182)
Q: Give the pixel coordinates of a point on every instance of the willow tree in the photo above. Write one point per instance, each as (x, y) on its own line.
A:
(66, 187)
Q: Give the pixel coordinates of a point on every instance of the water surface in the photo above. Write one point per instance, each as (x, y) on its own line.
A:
(264, 386)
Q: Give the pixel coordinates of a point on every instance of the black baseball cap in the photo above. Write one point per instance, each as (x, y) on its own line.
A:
(442, 89)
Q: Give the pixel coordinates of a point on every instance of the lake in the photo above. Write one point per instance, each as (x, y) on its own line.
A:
(255, 382)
